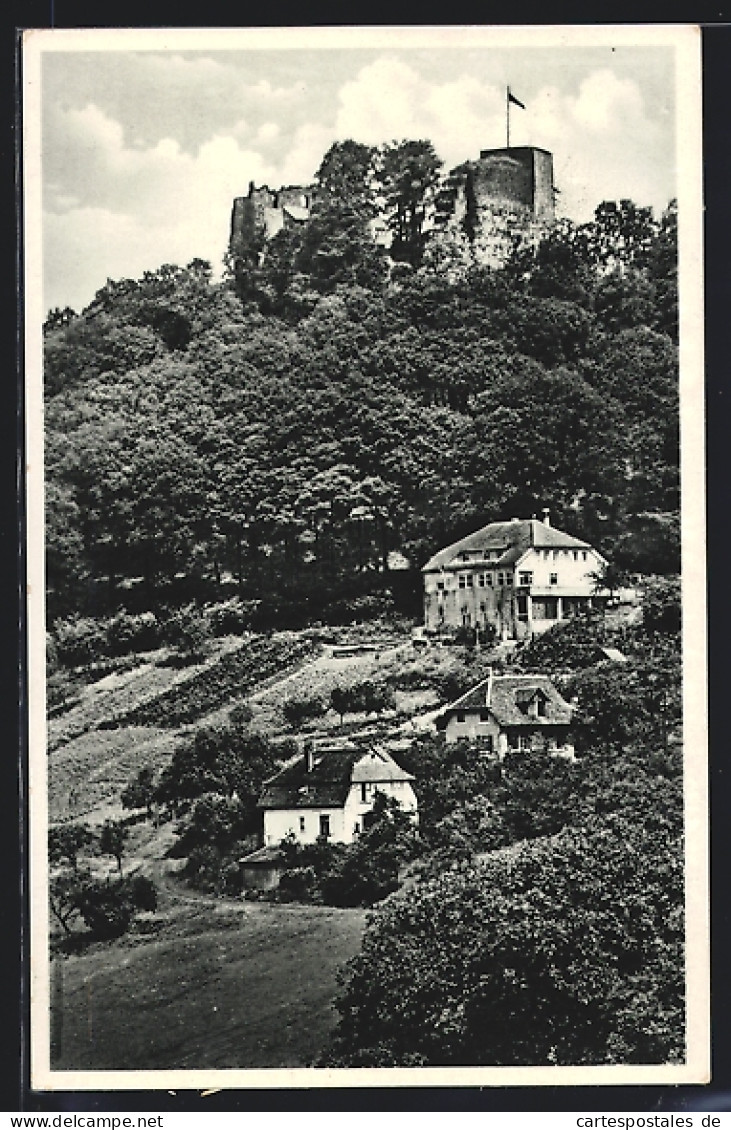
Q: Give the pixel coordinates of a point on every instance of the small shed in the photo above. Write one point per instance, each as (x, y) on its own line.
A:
(262, 869)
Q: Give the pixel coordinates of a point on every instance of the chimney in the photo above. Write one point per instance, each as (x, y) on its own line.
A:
(488, 692)
(309, 755)
(546, 516)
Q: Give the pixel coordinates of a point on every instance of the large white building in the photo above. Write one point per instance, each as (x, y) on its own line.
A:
(518, 577)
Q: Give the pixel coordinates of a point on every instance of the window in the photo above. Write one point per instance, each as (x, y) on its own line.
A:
(460, 716)
(365, 792)
(484, 715)
(470, 580)
(500, 577)
(551, 608)
(324, 824)
(525, 578)
(522, 607)
(576, 555)
(555, 555)
(489, 578)
(553, 578)
(356, 828)
(462, 581)
(302, 823)
(481, 580)
(508, 578)
(583, 555)
(440, 586)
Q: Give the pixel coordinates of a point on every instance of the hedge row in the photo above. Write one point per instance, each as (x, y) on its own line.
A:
(233, 675)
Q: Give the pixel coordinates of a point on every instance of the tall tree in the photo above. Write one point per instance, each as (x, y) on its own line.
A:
(408, 174)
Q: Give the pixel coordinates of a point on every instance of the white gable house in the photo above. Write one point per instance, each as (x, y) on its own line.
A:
(330, 792)
(511, 713)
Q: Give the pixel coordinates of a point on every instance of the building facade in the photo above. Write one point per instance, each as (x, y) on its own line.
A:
(511, 713)
(518, 578)
(329, 792)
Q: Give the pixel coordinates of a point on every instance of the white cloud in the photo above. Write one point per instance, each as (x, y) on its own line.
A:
(381, 103)
(268, 132)
(144, 207)
(606, 103)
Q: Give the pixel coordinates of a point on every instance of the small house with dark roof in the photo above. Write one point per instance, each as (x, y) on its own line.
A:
(511, 713)
(518, 577)
(329, 791)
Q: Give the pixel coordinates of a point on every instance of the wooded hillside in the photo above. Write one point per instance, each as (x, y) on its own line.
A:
(282, 431)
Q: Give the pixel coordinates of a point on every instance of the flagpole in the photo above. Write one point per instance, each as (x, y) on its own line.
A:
(507, 112)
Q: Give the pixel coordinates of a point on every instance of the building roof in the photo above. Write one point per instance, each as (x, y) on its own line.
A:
(328, 783)
(515, 537)
(263, 857)
(508, 697)
(296, 212)
(614, 654)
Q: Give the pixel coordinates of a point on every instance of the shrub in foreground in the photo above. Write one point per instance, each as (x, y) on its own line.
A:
(565, 950)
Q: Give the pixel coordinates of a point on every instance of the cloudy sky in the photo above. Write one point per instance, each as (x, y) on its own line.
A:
(144, 149)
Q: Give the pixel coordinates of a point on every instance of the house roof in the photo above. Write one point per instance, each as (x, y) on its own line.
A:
(263, 857)
(614, 654)
(507, 697)
(514, 537)
(328, 783)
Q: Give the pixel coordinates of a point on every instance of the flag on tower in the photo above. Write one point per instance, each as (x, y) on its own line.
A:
(512, 98)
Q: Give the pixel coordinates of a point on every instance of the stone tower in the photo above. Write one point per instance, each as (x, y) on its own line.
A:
(503, 194)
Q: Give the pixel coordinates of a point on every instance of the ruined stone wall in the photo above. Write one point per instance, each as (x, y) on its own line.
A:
(504, 197)
(544, 200)
(258, 217)
(294, 194)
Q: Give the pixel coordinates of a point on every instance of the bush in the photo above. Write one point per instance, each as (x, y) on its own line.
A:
(298, 884)
(233, 617)
(189, 632)
(661, 606)
(107, 909)
(142, 892)
(79, 640)
(563, 951)
(127, 633)
(366, 697)
(299, 710)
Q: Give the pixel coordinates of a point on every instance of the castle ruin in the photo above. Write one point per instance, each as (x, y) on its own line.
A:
(503, 194)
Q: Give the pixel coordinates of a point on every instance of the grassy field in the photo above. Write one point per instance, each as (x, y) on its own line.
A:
(91, 770)
(217, 985)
